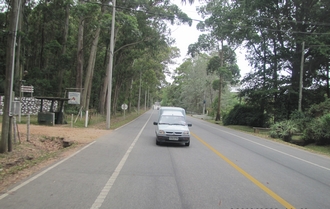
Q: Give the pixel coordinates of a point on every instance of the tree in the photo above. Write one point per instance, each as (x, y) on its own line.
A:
(218, 30)
(226, 70)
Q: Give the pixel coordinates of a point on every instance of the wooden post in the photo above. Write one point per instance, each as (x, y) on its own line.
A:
(28, 128)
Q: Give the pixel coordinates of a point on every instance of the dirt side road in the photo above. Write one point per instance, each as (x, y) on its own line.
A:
(46, 146)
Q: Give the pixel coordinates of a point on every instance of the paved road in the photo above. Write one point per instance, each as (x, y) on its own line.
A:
(221, 168)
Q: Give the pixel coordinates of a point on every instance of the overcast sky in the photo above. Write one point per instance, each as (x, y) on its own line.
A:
(186, 35)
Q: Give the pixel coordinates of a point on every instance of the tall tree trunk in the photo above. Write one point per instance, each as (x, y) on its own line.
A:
(275, 79)
(65, 39)
(80, 54)
(104, 94)
(145, 100)
(5, 131)
(218, 116)
(139, 95)
(328, 90)
(104, 88)
(91, 63)
(130, 96)
(18, 68)
(115, 96)
(90, 70)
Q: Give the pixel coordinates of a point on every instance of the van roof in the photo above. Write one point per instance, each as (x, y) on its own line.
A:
(174, 113)
(171, 108)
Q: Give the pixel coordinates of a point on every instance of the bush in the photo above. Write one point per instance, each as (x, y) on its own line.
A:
(318, 130)
(300, 119)
(245, 115)
(284, 130)
(318, 110)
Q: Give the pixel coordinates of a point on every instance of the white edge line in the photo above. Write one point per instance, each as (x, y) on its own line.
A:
(41, 173)
(306, 161)
(129, 122)
(106, 189)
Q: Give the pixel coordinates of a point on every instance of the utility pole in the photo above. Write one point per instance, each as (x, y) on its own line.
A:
(301, 75)
(10, 60)
(139, 94)
(112, 44)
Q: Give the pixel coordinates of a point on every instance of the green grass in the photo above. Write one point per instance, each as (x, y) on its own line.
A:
(325, 150)
(94, 119)
(319, 149)
(100, 120)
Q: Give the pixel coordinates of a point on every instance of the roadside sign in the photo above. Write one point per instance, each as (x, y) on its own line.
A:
(74, 97)
(27, 89)
(124, 106)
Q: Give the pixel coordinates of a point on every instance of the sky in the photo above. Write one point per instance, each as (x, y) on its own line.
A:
(185, 35)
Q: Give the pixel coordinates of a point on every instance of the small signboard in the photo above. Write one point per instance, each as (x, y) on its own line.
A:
(124, 106)
(74, 97)
(27, 89)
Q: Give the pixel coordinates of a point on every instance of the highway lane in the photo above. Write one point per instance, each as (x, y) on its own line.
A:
(299, 177)
(222, 168)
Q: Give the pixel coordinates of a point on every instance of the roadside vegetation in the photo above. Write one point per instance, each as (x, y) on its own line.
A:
(286, 93)
(309, 129)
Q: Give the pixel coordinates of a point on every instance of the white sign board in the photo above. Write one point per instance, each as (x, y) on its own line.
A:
(74, 97)
(28, 89)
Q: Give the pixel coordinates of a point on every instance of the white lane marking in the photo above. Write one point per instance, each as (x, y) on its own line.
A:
(297, 158)
(42, 173)
(131, 121)
(105, 191)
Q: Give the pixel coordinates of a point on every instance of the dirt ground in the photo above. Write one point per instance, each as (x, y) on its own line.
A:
(46, 145)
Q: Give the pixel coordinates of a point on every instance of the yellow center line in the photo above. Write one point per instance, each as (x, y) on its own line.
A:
(248, 176)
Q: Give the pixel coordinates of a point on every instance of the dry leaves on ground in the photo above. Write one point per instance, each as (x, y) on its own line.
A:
(45, 146)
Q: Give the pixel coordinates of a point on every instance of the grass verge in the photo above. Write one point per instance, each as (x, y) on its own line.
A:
(325, 150)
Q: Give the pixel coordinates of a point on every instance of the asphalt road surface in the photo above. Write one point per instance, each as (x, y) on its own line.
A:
(221, 168)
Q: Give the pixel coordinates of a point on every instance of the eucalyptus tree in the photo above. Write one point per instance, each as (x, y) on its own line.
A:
(217, 30)
(92, 56)
(227, 72)
(195, 84)
(142, 33)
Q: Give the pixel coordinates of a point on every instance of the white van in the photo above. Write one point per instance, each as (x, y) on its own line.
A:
(171, 127)
(172, 109)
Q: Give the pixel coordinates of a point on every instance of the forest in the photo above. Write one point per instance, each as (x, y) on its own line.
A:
(287, 43)
(65, 44)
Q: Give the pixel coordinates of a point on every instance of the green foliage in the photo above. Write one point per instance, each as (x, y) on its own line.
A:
(318, 130)
(300, 119)
(244, 115)
(317, 110)
(191, 86)
(284, 130)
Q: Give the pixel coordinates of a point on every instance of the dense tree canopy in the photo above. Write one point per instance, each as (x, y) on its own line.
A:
(65, 45)
(48, 50)
(282, 39)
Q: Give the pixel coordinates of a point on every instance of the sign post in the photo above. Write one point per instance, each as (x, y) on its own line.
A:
(124, 107)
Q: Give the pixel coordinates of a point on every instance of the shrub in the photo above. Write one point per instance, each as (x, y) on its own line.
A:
(300, 119)
(318, 110)
(284, 130)
(318, 130)
(245, 115)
